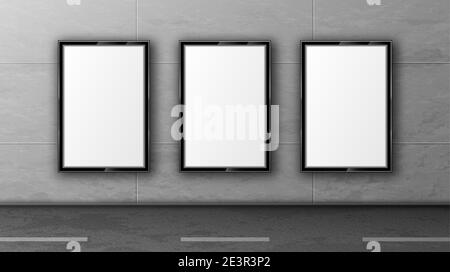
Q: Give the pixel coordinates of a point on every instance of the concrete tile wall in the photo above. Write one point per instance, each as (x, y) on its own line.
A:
(29, 30)
(165, 184)
(418, 28)
(29, 175)
(166, 22)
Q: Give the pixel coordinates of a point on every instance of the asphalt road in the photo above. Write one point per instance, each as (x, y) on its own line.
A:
(238, 228)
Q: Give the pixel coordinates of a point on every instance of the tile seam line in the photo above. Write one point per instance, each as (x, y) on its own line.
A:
(175, 143)
(137, 19)
(137, 188)
(313, 202)
(313, 11)
(176, 63)
(28, 143)
(121, 203)
(394, 142)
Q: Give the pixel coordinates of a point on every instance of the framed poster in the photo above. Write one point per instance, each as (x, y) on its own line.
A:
(103, 94)
(225, 91)
(346, 101)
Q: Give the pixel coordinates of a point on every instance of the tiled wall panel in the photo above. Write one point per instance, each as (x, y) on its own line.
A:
(419, 29)
(166, 184)
(285, 22)
(30, 29)
(421, 175)
(29, 175)
(28, 110)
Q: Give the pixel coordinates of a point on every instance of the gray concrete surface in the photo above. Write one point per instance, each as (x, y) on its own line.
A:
(30, 30)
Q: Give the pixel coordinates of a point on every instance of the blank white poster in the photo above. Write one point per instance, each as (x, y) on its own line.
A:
(104, 106)
(346, 106)
(225, 93)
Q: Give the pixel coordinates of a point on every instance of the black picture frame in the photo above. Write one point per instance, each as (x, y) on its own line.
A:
(268, 64)
(146, 89)
(388, 168)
